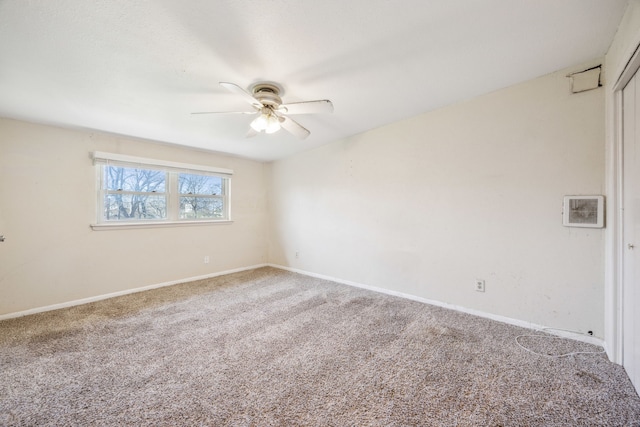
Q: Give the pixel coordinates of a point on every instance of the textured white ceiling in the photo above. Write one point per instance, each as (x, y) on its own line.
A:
(140, 68)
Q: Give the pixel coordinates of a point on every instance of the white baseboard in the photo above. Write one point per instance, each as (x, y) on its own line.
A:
(508, 320)
(125, 292)
(503, 319)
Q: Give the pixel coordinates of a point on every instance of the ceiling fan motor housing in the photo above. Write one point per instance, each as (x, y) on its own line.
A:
(268, 94)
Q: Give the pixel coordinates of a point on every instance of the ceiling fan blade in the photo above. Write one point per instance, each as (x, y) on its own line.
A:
(225, 112)
(294, 127)
(307, 107)
(232, 87)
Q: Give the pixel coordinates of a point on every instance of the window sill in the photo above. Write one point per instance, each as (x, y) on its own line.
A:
(159, 224)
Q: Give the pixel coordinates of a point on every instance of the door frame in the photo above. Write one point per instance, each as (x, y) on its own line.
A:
(614, 242)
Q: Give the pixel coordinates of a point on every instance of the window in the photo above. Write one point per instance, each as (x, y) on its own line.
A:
(133, 193)
(140, 191)
(201, 196)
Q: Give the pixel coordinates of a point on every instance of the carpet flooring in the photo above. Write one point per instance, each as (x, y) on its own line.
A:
(272, 348)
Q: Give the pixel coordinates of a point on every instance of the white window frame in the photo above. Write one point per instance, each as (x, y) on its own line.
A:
(172, 171)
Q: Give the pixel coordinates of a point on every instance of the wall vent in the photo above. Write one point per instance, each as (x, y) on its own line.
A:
(584, 80)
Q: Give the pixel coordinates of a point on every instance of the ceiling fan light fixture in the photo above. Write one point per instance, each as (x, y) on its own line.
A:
(259, 123)
(273, 124)
(266, 121)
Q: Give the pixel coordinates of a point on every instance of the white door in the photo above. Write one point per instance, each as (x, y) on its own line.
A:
(631, 229)
(2, 230)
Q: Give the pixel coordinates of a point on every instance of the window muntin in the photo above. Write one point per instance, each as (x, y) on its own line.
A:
(165, 193)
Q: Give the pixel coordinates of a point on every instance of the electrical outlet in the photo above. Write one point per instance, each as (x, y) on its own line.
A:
(206, 259)
(479, 285)
(297, 254)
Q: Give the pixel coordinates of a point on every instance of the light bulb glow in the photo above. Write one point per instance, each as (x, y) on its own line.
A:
(260, 123)
(273, 124)
(266, 121)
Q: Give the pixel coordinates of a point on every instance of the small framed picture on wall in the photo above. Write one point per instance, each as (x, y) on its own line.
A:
(583, 211)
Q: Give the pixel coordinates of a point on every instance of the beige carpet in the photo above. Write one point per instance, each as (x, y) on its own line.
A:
(272, 348)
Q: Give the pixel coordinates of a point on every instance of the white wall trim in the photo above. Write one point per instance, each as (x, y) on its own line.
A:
(102, 157)
(153, 224)
(125, 292)
(498, 318)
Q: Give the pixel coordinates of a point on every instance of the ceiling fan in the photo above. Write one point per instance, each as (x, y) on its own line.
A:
(272, 113)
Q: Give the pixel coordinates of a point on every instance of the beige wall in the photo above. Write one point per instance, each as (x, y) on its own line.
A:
(622, 48)
(427, 205)
(47, 201)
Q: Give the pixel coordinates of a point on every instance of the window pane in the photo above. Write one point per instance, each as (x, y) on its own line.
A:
(201, 208)
(134, 179)
(134, 206)
(199, 184)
